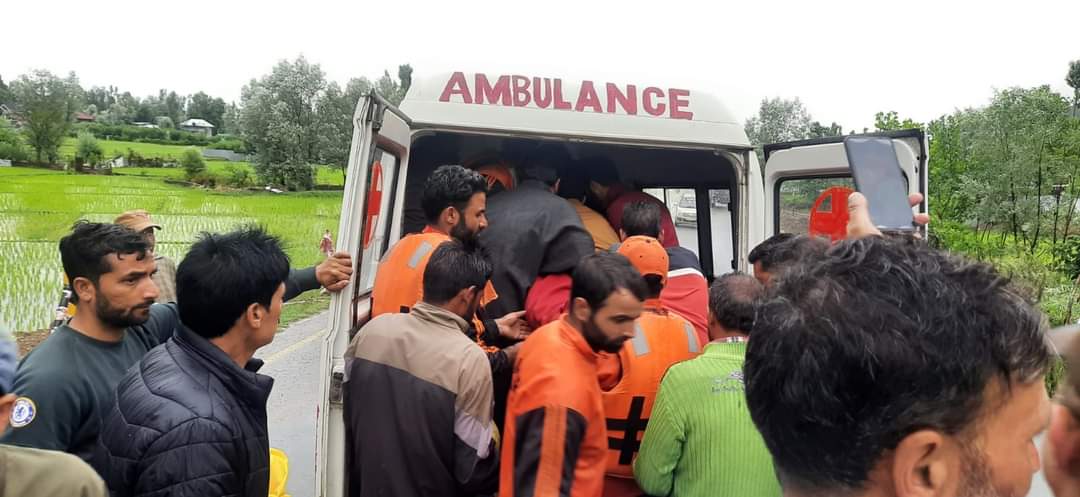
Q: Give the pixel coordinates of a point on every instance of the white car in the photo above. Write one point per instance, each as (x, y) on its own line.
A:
(686, 211)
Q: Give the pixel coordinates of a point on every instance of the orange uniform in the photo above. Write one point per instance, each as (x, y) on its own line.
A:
(661, 339)
(399, 282)
(555, 443)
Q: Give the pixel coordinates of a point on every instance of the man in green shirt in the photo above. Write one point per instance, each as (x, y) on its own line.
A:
(26, 472)
(68, 383)
(700, 440)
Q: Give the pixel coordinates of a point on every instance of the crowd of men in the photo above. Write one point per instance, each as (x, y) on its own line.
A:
(547, 338)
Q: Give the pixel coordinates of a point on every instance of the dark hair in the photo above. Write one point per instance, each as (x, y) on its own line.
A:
(450, 186)
(654, 284)
(223, 274)
(599, 275)
(544, 162)
(642, 219)
(454, 267)
(601, 170)
(876, 340)
(573, 184)
(83, 251)
(782, 250)
(732, 300)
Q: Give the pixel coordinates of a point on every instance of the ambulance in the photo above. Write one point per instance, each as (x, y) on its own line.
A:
(682, 146)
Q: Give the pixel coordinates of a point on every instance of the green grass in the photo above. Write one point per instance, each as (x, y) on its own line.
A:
(37, 207)
(114, 148)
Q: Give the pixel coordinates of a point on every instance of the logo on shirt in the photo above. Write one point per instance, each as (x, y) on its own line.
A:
(731, 383)
(23, 413)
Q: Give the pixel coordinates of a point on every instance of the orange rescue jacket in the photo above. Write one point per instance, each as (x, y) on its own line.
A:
(661, 339)
(399, 281)
(555, 442)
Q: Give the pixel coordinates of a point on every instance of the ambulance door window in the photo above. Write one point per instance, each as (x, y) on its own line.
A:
(800, 198)
(375, 231)
(682, 204)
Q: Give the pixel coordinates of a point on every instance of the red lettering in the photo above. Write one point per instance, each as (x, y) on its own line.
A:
(655, 109)
(587, 98)
(542, 99)
(628, 100)
(500, 93)
(680, 99)
(521, 91)
(560, 102)
(456, 86)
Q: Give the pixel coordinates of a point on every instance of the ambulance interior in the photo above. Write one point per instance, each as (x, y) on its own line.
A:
(690, 182)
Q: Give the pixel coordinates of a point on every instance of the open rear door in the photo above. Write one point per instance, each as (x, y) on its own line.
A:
(374, 189)
(806, 182)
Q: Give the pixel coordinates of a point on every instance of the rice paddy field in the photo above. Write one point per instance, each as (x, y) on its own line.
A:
(37, 207)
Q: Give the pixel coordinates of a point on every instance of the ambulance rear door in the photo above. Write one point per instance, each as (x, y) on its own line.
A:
(374, 192)
(807, 182)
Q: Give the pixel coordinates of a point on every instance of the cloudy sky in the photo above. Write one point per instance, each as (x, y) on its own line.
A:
(845, 60)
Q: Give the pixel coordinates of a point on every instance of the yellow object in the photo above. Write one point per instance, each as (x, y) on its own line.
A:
(279, 473)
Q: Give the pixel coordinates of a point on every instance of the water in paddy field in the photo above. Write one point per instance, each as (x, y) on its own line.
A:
(38, 207)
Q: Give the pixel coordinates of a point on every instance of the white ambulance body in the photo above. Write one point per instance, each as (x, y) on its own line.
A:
(675, 143)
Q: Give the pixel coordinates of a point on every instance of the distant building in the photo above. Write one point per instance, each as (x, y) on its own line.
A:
(82, 117)
(198, 126)
(143, 124)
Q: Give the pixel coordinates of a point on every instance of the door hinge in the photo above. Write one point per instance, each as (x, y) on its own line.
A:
(337, 385)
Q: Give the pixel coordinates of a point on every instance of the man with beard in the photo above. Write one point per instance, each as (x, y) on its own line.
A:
(418, 393)
(67, 383)
(556, 439)
(455, 204)
(887, 368)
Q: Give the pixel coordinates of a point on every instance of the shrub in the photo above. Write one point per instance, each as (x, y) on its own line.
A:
(88, 150)
(238, 176)
(192, 162)
(12, 146)
(1067, 254)
(295, 177)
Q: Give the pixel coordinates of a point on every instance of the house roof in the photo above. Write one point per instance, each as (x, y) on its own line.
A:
(197, 123)
(82, 116)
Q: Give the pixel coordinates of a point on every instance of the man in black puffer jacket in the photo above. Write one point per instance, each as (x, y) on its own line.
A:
(190, 418)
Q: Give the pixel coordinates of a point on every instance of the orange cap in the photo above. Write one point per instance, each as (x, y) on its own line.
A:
(137, 220)
(647, 256)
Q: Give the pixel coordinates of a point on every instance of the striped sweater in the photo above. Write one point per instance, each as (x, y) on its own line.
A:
(700, 440)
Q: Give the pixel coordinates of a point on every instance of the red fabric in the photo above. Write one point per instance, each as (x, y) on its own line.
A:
(687, 294)
(547, 299)
(621, 198)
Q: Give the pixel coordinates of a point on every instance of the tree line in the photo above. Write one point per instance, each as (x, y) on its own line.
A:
(290, 119)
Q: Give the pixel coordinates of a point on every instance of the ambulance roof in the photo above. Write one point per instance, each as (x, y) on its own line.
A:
(548, 106)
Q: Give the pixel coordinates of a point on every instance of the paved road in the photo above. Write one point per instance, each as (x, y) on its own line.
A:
(293, 361)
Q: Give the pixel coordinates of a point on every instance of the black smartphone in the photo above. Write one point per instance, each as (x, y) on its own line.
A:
(878, 176)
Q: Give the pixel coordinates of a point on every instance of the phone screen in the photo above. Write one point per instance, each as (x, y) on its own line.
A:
(878, 176)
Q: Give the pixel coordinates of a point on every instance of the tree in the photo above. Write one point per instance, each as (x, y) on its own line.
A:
(5, 93)
(230, 120)
(11, 144)
(202, 106)
(192, 162)
(890, 121)
(280, 121)
(174, 106)
(165, 122)
(1073, 80)
(404, 72)
(47, 103)
(778, 120)
(1016, 153)
(87, 151)
(818, 130)
(336, 110)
